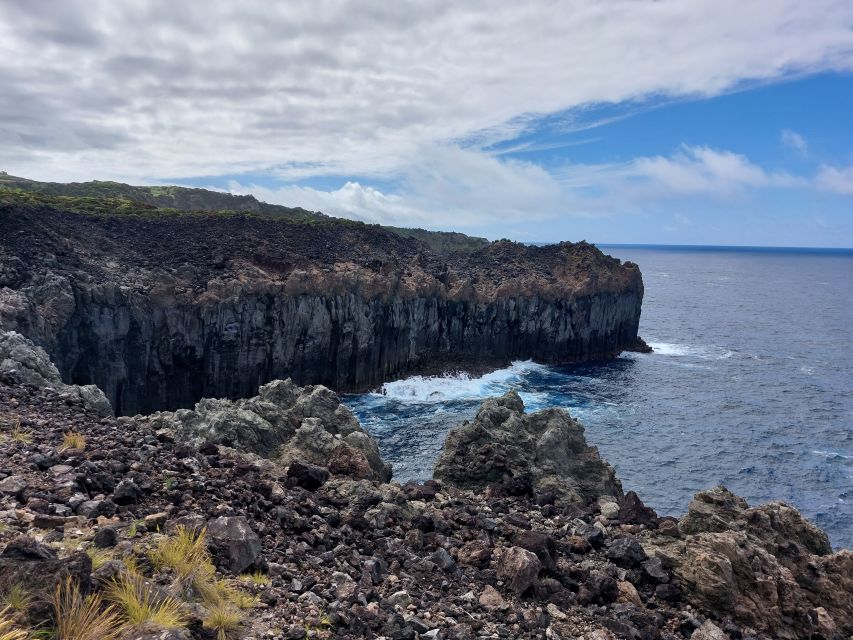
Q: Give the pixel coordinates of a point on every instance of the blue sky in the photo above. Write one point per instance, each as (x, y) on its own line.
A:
(701, 122)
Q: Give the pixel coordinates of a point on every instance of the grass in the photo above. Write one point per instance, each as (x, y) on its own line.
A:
(256, 577)
(82, 618)
(7, 630)
(73, 440)
(138, 605)
(16, 599)
(20, 435)
(223, 619)
(186, 554)
(220, 592)
(99, 557)
(170, 482)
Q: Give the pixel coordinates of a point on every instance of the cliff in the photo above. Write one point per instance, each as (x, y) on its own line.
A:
(160, 308)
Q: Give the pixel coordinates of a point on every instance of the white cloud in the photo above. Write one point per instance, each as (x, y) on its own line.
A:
(795, 141)
(836, 180)
(448, 186)
(155, 89)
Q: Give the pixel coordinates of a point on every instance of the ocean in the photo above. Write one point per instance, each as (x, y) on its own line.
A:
(750, 385)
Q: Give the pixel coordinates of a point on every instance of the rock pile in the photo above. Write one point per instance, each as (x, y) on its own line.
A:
(330, 555)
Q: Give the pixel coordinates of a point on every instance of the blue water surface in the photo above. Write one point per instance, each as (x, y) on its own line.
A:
(750, 385)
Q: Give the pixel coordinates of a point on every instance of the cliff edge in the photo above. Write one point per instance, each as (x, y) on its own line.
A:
(160, 308)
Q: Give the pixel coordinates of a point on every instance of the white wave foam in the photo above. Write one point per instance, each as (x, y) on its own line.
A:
(457, 386)
(831, 454)
(692, 351)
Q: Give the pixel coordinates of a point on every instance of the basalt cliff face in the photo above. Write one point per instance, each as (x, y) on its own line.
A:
(161, 309)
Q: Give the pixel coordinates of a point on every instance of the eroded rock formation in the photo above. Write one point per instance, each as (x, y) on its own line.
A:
(544, 453)
(284, 423)
(162, 310)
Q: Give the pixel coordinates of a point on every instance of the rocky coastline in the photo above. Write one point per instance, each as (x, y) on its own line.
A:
(307, 537)
(160, 308)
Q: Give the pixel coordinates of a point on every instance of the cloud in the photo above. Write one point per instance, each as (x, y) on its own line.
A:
(449, 186)
(836, 180)
(155, 89)
(794, 140)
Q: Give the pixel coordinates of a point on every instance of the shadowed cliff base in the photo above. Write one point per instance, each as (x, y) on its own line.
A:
(160, 308)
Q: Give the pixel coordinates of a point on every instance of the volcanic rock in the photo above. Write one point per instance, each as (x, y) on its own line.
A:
(234, 545)
(519, 568)
(547, 448)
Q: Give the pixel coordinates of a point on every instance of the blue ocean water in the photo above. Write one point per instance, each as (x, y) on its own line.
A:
(750, 385)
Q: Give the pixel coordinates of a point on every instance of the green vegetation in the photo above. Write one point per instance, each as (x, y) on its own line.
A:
(16, 599)
(105, 198)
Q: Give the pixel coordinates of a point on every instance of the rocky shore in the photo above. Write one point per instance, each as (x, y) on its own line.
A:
(160, 308)
(307, 537)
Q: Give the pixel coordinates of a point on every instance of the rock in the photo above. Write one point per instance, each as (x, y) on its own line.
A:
(609, 509)
(709, 631)
(105, 537)
(14, 486)
(235, 547)
(628, 593)
(443, 560)
(633, 511)
(37, 569)
(126, 492)
(476, 553)
(400, 599)
(150, 631)
(33, 366)
(626, 552)
(492, 600)
(92, 509)
(518, 568)
(547, 448)
(283, 422)
(46, 521)
(766, 567)
(307, 476)
(541, 544)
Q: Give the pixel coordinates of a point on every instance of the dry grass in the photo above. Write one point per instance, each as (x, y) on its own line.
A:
(99, 557)
(82, 618)
(19, 434)
(7, 628)
(16, 599)
(256, 578)
(186, 554)
(138, 605)
(223, 619)
(73, 440)
(219, 593)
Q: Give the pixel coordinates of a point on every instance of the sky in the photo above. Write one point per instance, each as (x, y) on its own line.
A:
(614, 121)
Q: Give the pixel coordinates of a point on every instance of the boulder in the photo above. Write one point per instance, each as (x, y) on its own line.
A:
(307, 476)
(233, 543)
(765, 567)
(544, 452)
(543, 545)
(285, 423)
(37, 569)
(633, 511)
(32, 365)
(518, 568)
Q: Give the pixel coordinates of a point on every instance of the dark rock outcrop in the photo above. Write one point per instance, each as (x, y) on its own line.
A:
(505, 450)
(161, 310)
